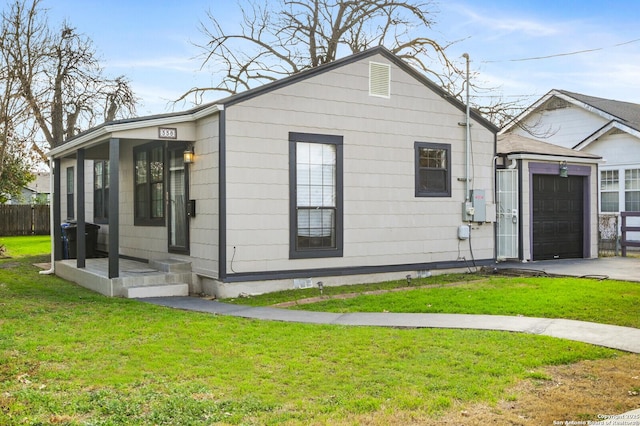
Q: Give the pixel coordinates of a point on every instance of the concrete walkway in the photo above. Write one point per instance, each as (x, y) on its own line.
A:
(613, 268)
(610, 336)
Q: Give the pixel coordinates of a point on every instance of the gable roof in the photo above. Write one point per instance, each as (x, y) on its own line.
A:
(626, 112)
(379, 50)
(216, 106)
(41, 184)
(510, 144)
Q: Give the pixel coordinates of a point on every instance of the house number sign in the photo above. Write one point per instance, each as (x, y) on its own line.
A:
(167, 133)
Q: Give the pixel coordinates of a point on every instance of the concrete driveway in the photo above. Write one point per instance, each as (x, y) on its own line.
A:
(615, 268)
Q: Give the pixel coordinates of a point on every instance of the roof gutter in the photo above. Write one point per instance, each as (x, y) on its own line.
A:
(543, 157)
(93, 137)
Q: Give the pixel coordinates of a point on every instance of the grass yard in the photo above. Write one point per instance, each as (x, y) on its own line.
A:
(20, 247)
(72, 357)
(607, 301)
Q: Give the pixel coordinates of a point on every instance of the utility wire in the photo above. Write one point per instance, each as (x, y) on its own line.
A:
(578, 52)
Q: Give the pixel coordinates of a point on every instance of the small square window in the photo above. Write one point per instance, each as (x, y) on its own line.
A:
(432, 169)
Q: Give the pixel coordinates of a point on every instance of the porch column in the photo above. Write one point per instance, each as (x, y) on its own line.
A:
(114, 208)
(56, 232)
(80, 217)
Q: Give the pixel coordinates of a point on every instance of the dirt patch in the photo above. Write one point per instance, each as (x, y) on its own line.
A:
(344, 296)
(9, 265)
(45, 266)
(576, 393)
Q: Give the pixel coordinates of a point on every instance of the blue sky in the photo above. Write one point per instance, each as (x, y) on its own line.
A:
(151, 42)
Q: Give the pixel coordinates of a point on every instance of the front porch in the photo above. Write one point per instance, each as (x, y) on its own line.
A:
(136, 279)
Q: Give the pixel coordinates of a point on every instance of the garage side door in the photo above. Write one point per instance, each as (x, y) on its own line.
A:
(557, 217)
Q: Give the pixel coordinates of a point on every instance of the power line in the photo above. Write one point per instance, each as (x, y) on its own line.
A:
(578, 52)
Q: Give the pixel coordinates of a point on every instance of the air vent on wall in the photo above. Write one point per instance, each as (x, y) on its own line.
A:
(555, 103)
(379, 79)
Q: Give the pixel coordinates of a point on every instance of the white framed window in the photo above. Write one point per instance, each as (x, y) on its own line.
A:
(632, 190)
(609, 191)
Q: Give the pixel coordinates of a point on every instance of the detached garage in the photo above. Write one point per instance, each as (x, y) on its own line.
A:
(546, 200)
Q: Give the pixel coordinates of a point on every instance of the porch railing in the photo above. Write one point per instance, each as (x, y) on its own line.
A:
(626, 229)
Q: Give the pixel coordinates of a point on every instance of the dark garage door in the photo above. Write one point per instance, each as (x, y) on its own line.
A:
(557, 217)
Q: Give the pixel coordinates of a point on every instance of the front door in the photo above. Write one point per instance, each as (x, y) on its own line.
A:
(178, 195)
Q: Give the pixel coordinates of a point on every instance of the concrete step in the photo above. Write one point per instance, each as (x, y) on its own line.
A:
(171, 265)
(161, 290)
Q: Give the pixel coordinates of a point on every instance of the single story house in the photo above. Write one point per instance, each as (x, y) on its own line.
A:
(356, 171)
(36, 192)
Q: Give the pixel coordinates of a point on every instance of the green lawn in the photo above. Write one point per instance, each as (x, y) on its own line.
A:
(26, 246)
(607, 302)
(70, 356)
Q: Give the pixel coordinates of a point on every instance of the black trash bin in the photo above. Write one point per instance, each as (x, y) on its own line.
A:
(65, 240)
(91, 241)
(70, 235)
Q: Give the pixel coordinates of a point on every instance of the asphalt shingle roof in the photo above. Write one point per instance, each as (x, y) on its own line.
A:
(627, 112)
(511, 143)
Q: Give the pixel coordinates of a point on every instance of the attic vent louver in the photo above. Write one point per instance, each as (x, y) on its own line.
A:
(379, 79)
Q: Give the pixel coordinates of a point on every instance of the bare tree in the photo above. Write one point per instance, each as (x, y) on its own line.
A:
(283, 37)
(14, 167)
(59, 76)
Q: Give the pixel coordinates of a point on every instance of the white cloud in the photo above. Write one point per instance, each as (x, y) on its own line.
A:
(176, 63)
(497, 25)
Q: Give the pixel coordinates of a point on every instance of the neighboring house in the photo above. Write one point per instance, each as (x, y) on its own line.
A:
(607, 128)
(351, 172)
(547, 200)
(36, 192)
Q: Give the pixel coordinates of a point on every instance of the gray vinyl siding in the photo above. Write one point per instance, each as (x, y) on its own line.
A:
(146, 242)
(204, 187)
(150, 242)
(384, 223)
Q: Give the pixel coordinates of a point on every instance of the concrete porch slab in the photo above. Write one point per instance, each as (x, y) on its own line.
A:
(165, 290)
(133, 274)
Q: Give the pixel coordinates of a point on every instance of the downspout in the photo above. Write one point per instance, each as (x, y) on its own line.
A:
(468, 136)
(52, 269)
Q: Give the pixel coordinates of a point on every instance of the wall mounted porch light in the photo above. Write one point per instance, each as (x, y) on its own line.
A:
(187, 155)
(564, 169)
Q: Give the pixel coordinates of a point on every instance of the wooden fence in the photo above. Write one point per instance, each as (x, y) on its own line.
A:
(625, 228)
(16, 219)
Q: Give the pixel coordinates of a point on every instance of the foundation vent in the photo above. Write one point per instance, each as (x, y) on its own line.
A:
(302, 283)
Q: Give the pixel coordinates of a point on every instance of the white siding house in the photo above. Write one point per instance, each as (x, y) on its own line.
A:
(604, 128)
(351, 172)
